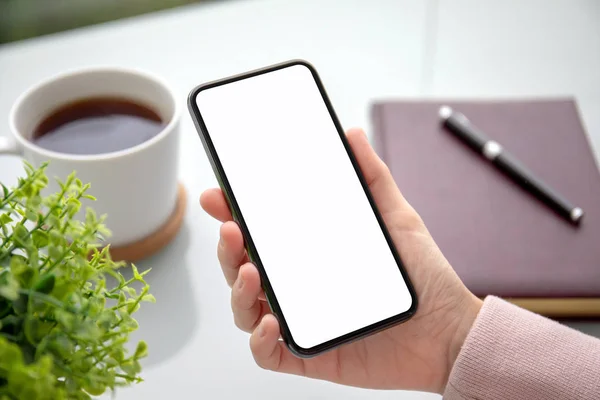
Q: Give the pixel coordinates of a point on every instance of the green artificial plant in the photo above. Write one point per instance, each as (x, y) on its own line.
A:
(63, 326)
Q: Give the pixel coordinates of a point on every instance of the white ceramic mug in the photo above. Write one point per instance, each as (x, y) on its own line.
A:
(136, 187)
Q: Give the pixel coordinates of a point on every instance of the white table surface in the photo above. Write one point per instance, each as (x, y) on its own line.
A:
(364, 50)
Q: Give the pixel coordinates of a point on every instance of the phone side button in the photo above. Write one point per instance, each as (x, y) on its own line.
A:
(268, 300)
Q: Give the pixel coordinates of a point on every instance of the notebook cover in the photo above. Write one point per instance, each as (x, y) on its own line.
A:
(500, 239)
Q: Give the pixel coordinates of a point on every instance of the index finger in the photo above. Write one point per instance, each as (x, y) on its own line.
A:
(214, 203)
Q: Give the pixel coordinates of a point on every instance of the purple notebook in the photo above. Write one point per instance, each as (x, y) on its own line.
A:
(499, 238)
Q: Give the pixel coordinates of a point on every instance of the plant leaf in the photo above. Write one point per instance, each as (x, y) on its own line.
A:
(9, 287)
(10, 354)
(5, 191)
(31, 214)
(149, 298)
(136, 274)
(40, 239)
(18, 265)
(5, 219)
(20, 232)
(45, 284)
(35, 330)
(141, 350)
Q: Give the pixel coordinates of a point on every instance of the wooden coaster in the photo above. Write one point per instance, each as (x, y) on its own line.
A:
(152, 244)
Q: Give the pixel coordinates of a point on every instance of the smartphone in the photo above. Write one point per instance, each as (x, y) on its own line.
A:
(329, 269)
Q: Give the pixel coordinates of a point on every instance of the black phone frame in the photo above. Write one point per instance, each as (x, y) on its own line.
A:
(251, 249)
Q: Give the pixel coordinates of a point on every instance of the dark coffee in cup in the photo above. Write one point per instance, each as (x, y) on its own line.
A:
(96, 126)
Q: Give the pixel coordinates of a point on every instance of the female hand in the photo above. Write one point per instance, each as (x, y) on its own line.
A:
(415, 355)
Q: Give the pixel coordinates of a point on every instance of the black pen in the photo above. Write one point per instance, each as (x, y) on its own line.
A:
(458, 124)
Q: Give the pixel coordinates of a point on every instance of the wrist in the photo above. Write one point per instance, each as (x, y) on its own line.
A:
(467, 312)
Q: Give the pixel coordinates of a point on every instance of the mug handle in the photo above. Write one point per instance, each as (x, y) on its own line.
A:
(9, 145)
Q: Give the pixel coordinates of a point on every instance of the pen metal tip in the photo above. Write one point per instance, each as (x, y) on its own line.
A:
(576, 214)
(445, 112)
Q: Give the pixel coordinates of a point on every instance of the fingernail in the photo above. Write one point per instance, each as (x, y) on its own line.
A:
(221, 244)
(240, 281)
(261, 330)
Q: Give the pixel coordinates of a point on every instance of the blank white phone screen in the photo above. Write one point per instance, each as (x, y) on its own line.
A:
(322, 249)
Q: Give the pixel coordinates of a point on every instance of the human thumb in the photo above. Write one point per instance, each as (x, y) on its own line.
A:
(378, 177)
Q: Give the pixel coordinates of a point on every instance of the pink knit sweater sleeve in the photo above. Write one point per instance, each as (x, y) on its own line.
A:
(513, 354)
